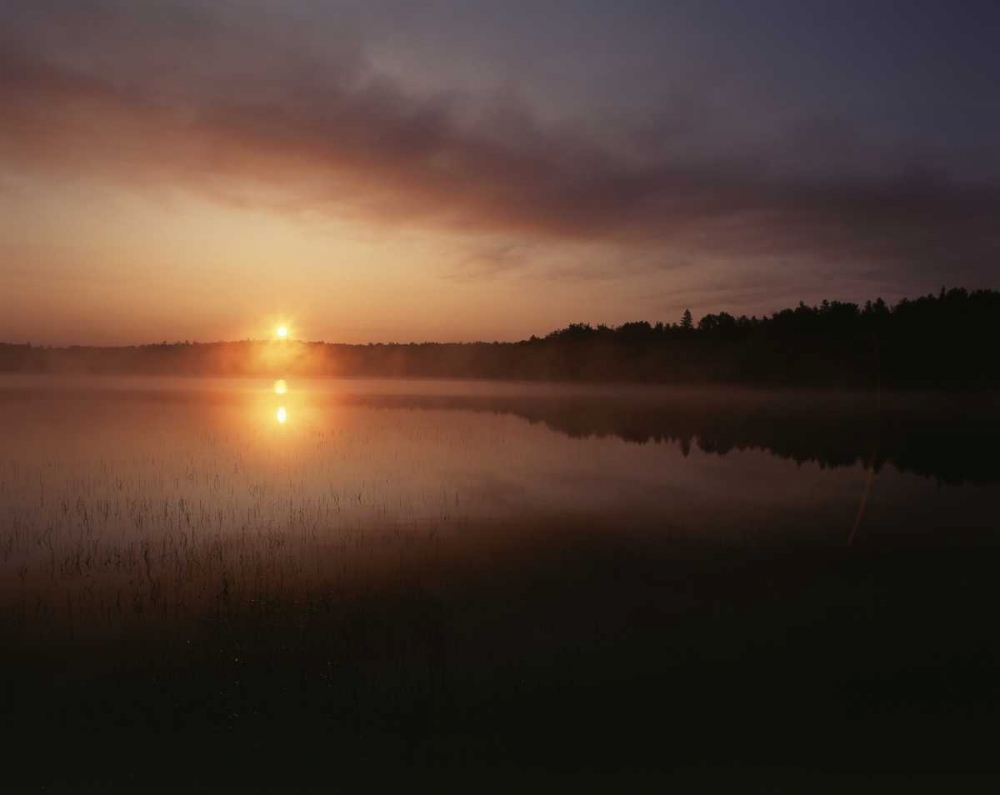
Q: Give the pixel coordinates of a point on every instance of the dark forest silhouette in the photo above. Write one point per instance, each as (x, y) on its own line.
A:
(942, 340)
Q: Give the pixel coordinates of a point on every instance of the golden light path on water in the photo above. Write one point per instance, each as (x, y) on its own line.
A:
(281, 389)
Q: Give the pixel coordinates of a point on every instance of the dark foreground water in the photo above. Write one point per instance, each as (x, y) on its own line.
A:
(406, 586)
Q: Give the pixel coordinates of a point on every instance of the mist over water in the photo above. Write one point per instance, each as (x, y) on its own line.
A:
(377, 454)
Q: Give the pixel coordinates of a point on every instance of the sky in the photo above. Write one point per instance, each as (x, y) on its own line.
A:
(398, 170)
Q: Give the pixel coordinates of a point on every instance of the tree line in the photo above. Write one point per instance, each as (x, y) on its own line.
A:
(939, 340)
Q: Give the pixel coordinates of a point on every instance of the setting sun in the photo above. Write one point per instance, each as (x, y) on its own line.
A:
(281, 332)
(281, 416)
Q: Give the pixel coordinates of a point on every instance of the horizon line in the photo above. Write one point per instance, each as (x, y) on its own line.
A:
(891, 306)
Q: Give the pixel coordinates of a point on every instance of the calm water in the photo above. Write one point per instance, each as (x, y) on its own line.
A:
(397, 553)
(329, 457)
(107, 481)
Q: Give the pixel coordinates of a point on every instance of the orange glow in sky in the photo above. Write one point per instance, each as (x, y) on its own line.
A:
(375, 196)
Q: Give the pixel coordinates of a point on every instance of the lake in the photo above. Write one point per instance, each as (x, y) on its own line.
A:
(519, 583)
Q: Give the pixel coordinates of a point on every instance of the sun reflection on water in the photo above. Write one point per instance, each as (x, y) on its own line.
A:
(280, 387)
(281, 415)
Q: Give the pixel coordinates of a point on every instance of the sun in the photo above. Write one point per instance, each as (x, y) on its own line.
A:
(281, 416)
(281, 332)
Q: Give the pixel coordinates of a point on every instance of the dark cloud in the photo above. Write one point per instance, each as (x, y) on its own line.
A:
(261, 112)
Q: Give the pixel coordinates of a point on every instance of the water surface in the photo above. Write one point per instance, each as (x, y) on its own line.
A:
(381, 454)
(497, 577)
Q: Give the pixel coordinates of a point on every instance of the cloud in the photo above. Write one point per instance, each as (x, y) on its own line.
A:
(261, 113)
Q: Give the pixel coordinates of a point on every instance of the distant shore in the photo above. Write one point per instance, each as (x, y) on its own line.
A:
(942, 342)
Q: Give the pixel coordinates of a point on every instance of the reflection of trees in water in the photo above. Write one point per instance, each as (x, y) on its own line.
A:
(950, 439)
